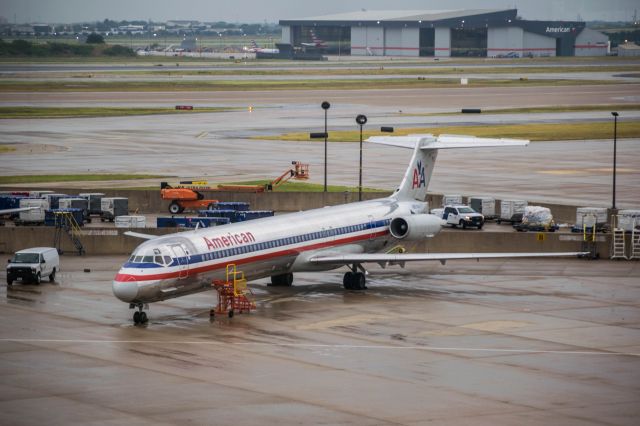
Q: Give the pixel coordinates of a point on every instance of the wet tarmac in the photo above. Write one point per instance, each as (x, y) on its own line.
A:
(495, 342)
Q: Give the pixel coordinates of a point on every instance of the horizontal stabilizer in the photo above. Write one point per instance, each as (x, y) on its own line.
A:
(428, 141)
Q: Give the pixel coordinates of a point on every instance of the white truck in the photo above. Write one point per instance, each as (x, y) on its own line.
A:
(30, 265)
(463, 216)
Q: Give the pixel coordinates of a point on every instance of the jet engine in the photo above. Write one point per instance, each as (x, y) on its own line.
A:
(415, 227)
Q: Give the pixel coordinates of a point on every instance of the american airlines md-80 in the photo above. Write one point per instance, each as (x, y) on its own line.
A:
(323, 239)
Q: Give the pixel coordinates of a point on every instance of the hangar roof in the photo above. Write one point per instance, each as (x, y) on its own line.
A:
(404, 16)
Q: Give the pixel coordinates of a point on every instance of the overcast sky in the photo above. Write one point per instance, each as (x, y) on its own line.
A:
(67, 11)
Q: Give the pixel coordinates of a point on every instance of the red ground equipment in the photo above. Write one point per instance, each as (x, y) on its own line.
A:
(232, 294)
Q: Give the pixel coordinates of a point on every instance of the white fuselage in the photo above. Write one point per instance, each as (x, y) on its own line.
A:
(188, 262)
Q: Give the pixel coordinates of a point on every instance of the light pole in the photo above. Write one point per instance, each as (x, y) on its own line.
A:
(615, 137)
(325, 106)
(361, 119)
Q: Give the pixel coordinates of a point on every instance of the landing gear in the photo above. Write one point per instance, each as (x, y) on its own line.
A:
(139, 316)
(354, 279)
(283, 280)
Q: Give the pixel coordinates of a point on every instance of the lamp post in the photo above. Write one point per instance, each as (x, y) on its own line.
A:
(615, 137)
(361, 119)
(325, 106)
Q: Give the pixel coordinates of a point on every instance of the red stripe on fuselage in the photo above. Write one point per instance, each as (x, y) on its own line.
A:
(292, 251)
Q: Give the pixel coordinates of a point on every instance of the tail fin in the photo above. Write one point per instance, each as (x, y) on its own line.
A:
(425, 150)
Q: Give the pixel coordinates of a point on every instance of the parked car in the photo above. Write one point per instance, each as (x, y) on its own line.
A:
(463, 216)
(30, 265)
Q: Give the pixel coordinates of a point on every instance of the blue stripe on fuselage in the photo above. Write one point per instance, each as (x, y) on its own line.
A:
(235, 251)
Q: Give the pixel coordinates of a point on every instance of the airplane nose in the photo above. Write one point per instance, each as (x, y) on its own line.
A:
(125, 291)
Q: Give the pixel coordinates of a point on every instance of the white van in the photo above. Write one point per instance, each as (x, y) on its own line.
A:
(32, 264)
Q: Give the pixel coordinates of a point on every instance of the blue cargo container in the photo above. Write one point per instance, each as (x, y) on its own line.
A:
(253, 214)
(231, 205)
(10, 201)
(50, 216)
(190, 222)
(231, 214)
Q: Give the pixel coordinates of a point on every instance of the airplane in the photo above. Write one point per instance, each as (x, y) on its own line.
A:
(256, 49)
(328, 238)
(316, 42)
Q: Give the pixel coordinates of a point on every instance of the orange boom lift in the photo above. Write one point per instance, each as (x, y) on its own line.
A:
(185, 197)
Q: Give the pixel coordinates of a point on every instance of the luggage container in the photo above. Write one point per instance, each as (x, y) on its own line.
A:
(39, 193)
(590, 217)
(537, 219)
(50, 216)
(627, 219)
(130, 221)
(10, 201)
(232, 205)
(35, 216)
(451, 200)
(511, 211)
(76, 203)
(54, 200)
(113, 206)
(94, 200)
(484, 205)
(232, 215)
(190, 222)
(253, 214)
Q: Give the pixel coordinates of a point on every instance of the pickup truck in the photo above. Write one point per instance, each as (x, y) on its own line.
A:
(463, 216)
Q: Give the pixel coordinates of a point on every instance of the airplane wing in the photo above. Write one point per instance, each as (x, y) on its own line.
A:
(17, 210)
(141, 235)
(385, 259)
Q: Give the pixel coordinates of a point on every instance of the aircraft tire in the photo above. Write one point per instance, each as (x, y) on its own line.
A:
(282, 280)
(136, 317)
(360, 281)
(348, 281)
(143, 318)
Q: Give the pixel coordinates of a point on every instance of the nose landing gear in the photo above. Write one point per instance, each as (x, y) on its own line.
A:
(139, 316)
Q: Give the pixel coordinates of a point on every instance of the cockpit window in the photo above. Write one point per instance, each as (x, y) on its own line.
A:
(147, 259)
(167, 260)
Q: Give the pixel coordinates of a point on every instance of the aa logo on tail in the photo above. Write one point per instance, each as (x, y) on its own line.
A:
(418, 176)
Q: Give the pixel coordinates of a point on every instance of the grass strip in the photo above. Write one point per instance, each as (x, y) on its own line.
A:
(85, 112)
(233, 85)
(73, 178)
(534, 110)
(533, 132)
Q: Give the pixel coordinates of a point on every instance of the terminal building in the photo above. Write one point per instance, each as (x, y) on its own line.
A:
(458, 33)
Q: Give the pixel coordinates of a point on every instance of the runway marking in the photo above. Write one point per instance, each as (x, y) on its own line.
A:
(202, 135)
(321, 345)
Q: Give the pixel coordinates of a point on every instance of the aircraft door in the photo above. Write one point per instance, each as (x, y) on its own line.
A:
(183, 261)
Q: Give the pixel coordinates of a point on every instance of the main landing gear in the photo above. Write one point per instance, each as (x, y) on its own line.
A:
(354, 279)
(139, 316)
(283, 280)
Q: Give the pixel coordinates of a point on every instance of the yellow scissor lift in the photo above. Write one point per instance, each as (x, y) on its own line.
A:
(232, 293)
